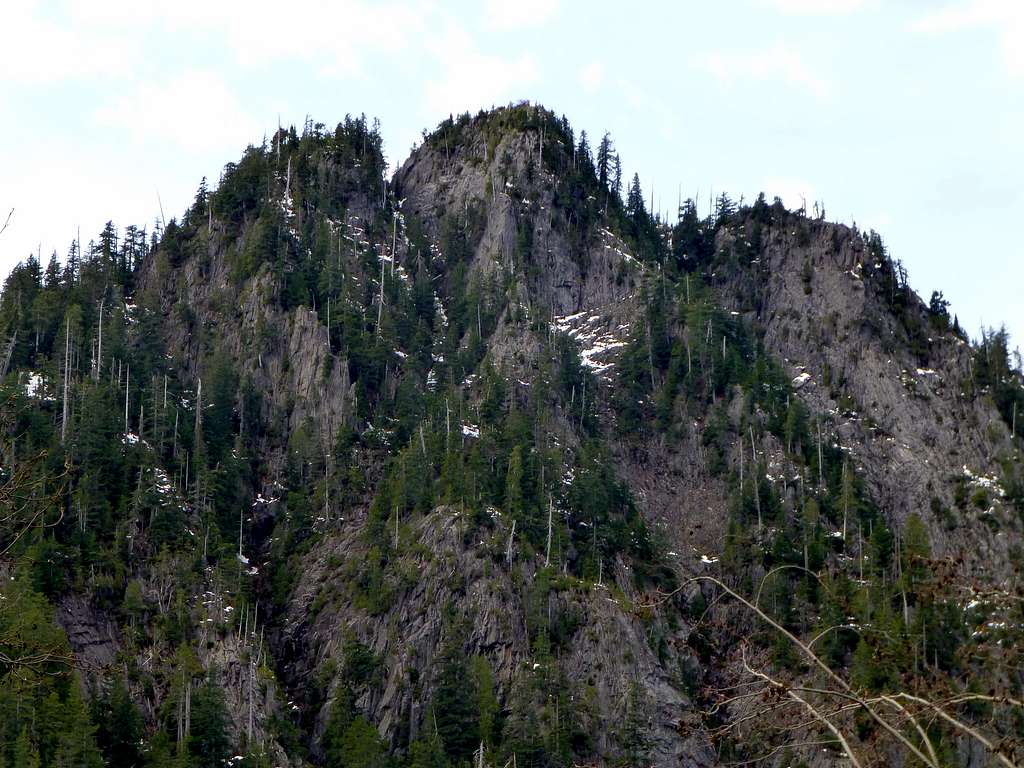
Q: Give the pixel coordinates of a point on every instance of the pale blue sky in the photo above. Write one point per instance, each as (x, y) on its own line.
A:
(905, 116)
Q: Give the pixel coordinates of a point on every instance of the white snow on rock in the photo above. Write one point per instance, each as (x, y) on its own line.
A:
(988, 482)
(34, 385)
(589, 330)
(162, 483)
(801, 380)
(599, 348)
(470, 430)
(613, 243)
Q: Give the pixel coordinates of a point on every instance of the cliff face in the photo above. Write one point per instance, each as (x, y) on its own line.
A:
(540, 279)
(895, 391)
(474, 418)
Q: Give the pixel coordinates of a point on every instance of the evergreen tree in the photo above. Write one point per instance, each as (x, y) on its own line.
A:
(76, 744)
(724, 207)
(584, 160)
(427, 752)
(690, 245)
(25, 753)
(939, 307)
(605, 163)
(616, 177)
(514, 485)
(486, 701)
(635, 200)
(362, 746)
(201, 200)
(340, 718)
(120, 728)
(208, 742)
(457, 721)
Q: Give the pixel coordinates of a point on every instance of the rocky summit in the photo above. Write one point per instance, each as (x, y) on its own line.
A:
(484, 464)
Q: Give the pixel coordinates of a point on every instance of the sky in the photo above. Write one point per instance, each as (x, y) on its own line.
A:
(905, 116)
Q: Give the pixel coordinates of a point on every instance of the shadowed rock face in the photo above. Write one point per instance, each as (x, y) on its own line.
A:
(93, 635)
(882, 385)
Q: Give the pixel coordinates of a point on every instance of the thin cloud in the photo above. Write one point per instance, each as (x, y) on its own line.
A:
(194, 111)
(777, 63)
(815, 7)
(505, 15)
(470, 79)
(1005, 18)
(793, 192)
(37, 49)
(87, 39)
(591, 76)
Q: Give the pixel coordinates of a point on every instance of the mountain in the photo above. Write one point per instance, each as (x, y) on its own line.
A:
(485, 464)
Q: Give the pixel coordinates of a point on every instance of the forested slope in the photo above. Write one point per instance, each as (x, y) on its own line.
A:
(485, 463)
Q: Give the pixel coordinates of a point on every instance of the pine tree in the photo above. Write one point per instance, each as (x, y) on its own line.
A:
(584, 160)
(340, 718)
(76, 747)
(604, 162)
(53, 273)
(617, 177)
(689, 244)
(121, 730)
(25, 753)
(632, 736)
(486, 701)
(72, 263)
(457, 721)
(724, 207)
(362, 746)
(635, 200)
(201, 200)
(427, 753)
(208, 742)
(514, 484)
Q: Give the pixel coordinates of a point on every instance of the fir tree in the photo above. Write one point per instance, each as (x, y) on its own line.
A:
(605, 161)
(25, 753)
(457, 721)
(584, 160)
(635, 200)
(208, 742)
(362, 747)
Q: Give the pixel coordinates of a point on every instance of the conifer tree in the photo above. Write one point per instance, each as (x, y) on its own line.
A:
(616, 177)
(427, 752)
(584, 159)
(25, 753)
(121, 729)
(362, 746)
(514, 484)
(453, 709)
(635, 200)
(208, 742)
(605, 168)
(76, 744)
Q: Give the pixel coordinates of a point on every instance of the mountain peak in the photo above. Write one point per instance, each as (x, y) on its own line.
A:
(473, 464)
